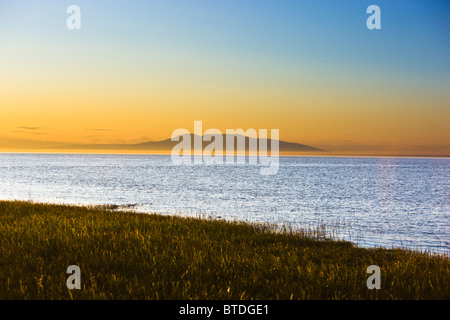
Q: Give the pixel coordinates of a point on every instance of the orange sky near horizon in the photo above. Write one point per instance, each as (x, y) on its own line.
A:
(343, 119)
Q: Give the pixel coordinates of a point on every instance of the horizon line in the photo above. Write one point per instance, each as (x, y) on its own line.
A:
(346, 155)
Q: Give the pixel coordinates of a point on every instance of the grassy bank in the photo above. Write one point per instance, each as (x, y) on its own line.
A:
(138, 256)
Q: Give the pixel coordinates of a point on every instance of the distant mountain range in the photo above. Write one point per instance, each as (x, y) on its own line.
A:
(168, 144)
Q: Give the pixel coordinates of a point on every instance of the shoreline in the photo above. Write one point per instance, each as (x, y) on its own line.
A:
(124, 255)
(326, 231)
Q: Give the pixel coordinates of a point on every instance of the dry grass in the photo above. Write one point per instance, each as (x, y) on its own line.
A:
(125, 255)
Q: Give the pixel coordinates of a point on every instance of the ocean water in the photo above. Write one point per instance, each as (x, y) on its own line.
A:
(373, 202)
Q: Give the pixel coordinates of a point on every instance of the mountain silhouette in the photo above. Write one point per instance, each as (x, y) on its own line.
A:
(168, 144)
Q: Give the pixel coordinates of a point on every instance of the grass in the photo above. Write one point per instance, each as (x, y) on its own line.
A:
(125, 255)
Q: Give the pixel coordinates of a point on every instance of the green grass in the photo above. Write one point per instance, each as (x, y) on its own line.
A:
(126, 255)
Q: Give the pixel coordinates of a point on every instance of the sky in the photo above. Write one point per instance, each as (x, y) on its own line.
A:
(138, 70)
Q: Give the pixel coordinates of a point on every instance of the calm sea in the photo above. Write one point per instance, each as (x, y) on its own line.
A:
(388, 202)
